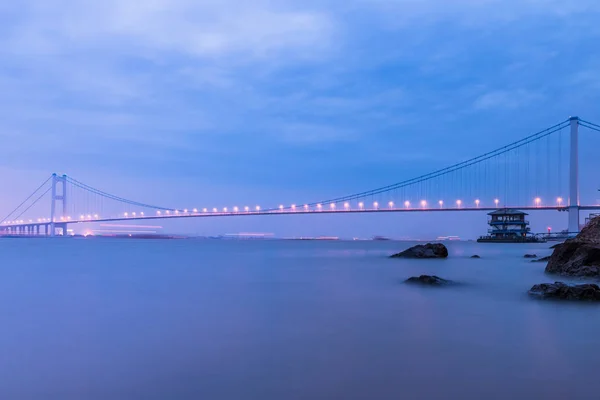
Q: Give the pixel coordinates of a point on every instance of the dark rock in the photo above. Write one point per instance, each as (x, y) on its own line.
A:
(475, 256)
(562, 291)
(579, 256)
(530, 256)
(430, 280)
(543, 259)
(555, 246)
(429, 250)
(574, 258)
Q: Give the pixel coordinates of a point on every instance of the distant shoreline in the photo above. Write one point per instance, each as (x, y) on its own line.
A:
(229, 238)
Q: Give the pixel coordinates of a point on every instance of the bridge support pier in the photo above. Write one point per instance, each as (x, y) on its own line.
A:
(574, 177)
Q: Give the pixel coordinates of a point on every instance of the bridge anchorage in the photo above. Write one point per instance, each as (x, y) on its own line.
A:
(538, 172)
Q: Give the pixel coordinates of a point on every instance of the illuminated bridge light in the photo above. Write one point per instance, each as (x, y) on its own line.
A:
(319, 206)
(168, 212)
(391, 204)
(215, 210)
(441, 203)
(281, 208)
(477, 202)
(82, 217)
(246, 208)
(133, 214)
(204, 210)
(306, 207)
(257, 208)
(458, 203)
(538, 201)
(347, 206)
(361, 205)
(293, 207)
(96, 216)
(235, 209)
(224, 209)
(126, 214)
(375, 205)
(176, 211)
(158, 213)
(332, 206)
(423, 203)
(195, 210)
(559, 201)
(185, 211)
(407, 204)
(496, 201)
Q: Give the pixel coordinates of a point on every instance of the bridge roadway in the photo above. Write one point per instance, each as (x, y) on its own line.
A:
(36, 226)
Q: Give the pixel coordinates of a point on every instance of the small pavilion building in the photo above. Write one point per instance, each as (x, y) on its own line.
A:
(507, 225)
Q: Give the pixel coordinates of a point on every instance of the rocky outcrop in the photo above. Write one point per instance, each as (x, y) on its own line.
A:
(543, 259)
(562, 291)
(530, 256)
(428, 280)
(429, 250)
(579, 256)
(475, 256)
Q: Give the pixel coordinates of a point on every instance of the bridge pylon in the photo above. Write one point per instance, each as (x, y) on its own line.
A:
(574, 177)
(62, 197)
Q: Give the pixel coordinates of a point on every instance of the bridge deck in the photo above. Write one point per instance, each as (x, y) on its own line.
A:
(182, 215)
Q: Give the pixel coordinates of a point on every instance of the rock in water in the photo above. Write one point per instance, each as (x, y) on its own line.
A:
(562, 291)
(579, 256)
(475, 256)
(543, 259)
(530, 256)
(430, 280)
(429, 250)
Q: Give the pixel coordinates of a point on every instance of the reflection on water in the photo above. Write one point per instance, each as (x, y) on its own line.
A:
(107, 319)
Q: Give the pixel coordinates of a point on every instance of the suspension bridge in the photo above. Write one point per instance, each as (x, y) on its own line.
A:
(538, 172)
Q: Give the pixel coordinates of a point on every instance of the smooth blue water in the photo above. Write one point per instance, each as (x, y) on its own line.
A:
(185, 319)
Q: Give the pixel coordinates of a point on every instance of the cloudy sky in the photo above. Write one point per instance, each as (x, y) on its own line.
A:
(222, 102)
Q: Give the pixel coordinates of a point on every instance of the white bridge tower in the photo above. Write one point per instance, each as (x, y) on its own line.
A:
(574, 177)
(62, 197)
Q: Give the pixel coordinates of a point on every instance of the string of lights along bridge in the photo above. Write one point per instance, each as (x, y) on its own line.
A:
(540, 171)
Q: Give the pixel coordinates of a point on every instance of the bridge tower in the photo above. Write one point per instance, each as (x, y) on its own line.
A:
(56, 180)
(574, 177)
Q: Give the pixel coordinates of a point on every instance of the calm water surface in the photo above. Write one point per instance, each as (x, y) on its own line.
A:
(128, 319)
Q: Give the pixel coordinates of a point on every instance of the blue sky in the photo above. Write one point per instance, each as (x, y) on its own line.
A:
(265, 102)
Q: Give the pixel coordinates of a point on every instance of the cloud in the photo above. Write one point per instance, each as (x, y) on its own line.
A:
(313, 134)
(506, 99)
(192, 28)
(473, 12)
